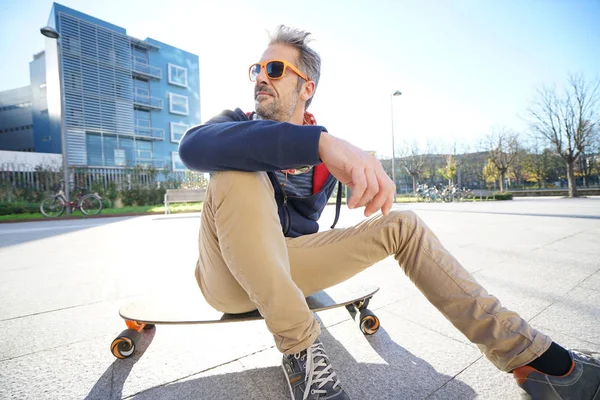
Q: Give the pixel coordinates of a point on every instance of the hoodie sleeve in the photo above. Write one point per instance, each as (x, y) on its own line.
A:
(231, 142)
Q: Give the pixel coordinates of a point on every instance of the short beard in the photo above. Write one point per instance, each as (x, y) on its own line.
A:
(274, 111)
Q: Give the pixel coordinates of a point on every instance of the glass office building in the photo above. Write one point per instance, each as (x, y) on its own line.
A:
(127, 101)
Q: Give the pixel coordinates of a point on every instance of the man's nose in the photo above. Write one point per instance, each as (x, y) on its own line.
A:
(262, 76)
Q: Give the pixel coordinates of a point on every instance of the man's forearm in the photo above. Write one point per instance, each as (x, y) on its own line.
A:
(250, 146)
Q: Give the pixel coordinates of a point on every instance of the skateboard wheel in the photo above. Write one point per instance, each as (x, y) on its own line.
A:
(369, 323)
(124, 344)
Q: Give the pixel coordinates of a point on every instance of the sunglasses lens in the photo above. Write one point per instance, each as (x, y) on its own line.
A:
(275, 69)
(254, 72)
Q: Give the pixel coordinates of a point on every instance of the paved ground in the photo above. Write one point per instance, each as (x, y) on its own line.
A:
(61, 284)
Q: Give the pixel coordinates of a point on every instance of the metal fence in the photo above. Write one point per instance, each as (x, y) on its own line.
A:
(20, 177)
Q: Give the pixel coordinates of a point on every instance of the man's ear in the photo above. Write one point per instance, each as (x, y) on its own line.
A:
(308, 89)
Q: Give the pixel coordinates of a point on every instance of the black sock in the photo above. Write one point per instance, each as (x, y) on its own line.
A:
(555, 361)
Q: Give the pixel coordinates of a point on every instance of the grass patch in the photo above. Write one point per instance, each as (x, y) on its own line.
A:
(159, 209)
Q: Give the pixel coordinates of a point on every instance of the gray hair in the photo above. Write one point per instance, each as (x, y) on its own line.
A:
(309, 61)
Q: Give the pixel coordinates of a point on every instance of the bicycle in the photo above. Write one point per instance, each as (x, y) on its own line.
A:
(54, 205)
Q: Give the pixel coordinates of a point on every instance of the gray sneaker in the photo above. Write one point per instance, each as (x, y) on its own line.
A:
(310, 376)
(581, 383)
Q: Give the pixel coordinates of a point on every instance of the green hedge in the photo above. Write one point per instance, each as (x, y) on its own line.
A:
(503, 196)
(18, 207)
(140, 196)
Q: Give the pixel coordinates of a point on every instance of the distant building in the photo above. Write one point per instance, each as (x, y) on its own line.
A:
(127, 101)
(16, 125)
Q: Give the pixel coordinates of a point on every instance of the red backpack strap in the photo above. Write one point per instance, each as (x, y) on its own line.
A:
(320, 175)
(320, 172)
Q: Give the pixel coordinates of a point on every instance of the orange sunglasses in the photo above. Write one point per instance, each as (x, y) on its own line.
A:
(275, 69)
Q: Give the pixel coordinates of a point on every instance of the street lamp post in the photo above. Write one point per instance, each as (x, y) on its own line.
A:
(51, 33)
(396, 93)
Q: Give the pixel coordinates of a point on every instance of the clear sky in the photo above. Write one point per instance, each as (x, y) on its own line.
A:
(463, 67)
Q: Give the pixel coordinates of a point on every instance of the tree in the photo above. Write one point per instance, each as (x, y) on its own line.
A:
(490, 174)
(535, 163)
(449, 171)
(413, 161)
(503, 147)
(588, 162)
(568, 120)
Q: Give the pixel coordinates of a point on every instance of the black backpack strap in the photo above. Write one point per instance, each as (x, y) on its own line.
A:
(338, 204)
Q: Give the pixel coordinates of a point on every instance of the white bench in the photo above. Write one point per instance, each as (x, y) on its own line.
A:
(183, 196)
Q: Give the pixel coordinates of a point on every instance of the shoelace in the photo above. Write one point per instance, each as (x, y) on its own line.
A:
(316, 358)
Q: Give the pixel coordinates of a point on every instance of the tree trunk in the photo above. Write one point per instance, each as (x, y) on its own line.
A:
(414, 183)
(502, 180)
(539, 183)
(571, 179)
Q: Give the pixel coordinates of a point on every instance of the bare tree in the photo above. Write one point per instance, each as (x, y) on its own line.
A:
(413, 161)
(569, 120)
(503, 147)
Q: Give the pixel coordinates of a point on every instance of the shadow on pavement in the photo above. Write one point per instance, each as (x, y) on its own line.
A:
(402, 375)
(110, 384)
(23, 232)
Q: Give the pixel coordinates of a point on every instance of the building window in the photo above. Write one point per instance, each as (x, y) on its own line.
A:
(178, 104)
(177, 131)
(177, 75)
(94, 149)
(120, 158)
(176, 163)
(144, 151)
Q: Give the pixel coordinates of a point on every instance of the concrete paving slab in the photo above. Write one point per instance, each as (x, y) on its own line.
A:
(226, 382)
(592, 283)
(382, 366)
(577, 314)
(418, 310)
(163, 356)
(71, 371)
(481, 381)
(57, 329)
(55, 277)
(490, 383)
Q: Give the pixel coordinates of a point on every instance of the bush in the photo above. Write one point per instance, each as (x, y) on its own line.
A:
(109, 195)
(503, 196)
(18, 207)
(141, 196)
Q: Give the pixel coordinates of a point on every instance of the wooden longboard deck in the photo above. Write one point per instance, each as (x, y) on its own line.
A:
(199, 312)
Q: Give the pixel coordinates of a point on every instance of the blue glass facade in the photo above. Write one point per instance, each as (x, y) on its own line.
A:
(16, 127)
(45, 138)
(126, 100)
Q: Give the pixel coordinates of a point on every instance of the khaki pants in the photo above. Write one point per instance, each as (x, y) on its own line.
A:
(246, 263)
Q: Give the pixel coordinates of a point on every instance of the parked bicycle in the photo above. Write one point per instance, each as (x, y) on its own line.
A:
(443, 193)
(55, 204)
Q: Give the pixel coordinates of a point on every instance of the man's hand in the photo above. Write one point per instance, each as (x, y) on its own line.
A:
(361, 172)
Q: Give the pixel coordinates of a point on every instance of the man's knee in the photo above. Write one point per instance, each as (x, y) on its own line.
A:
(246, 182)
(406, 218)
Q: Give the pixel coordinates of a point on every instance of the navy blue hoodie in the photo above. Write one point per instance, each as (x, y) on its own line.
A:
(232, 142)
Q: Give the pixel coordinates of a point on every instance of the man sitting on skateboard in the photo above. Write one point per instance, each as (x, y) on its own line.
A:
(259, 245)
